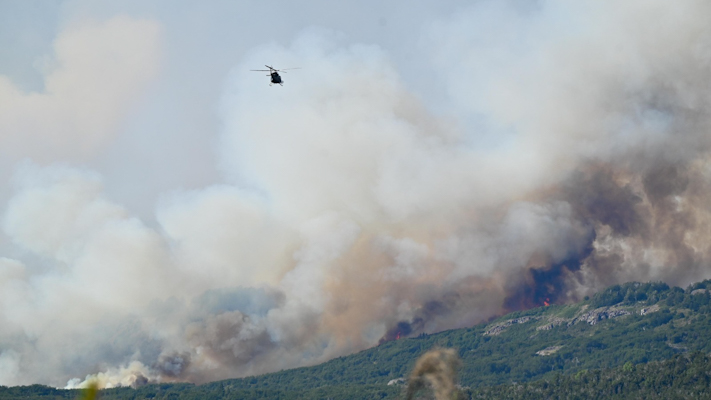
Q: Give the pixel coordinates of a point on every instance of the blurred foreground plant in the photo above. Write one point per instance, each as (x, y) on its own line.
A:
(437, 369)
(91, 392)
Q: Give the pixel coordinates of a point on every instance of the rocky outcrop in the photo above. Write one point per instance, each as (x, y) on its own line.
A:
(549, 350)
(552, 323)
(501, 326)
(585, 315)
(648, 310)
(594, 316)
(398, 381)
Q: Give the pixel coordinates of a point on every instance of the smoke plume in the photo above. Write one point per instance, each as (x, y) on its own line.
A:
(566, 149)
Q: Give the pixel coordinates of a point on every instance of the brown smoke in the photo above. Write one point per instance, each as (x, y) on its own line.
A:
(579, 157)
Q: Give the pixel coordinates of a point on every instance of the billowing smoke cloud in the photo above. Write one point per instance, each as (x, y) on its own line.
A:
(95, 73)
(573, 154)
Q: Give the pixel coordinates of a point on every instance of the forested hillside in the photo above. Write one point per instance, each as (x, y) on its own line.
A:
(684, 376)
(625, 326)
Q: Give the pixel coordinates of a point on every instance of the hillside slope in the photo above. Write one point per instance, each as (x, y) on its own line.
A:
(684, 376)
(633, 323)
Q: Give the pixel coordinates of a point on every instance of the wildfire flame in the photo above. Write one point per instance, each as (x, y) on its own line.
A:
(546, 302)
(398, 336)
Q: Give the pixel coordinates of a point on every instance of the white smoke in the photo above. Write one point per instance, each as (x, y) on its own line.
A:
(97, 71)
(573, 153)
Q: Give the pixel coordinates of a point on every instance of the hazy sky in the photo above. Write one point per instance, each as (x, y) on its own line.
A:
(167, 215)
(167, 134)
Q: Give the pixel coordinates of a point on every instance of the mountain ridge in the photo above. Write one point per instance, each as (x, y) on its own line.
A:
(633, 323)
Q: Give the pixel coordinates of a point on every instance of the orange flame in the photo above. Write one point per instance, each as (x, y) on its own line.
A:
(546, 302)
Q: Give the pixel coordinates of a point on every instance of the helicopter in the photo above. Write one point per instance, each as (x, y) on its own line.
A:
(274, 73)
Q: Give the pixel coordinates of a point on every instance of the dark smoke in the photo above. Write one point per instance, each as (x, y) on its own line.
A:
(139, 381)
(544, 283)
(401, 330)
(599, 199)
(609, 199)
(429, 310)
(229, 339)
(582, 160)
(172, 366)
(663, 181)
(624, 211)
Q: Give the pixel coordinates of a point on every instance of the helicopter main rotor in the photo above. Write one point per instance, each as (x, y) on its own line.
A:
(272, 69)
(274, 73)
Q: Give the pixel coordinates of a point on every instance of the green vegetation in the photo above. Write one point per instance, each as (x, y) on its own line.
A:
(619, 329)
(680, 377)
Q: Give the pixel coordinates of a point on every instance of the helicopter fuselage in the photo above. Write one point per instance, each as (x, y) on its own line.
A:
(274, 74)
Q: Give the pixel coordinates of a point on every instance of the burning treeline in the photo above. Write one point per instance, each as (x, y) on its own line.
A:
(623, 222)
(629, 186)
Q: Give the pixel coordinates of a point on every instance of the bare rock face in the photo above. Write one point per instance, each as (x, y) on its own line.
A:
(552, 323)
(584, 315)
(549, 350)
(649, 310)
(598, 314)
(501, 326)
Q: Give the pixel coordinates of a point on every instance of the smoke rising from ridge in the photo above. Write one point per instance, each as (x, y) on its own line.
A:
(574, 155)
